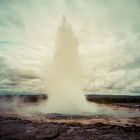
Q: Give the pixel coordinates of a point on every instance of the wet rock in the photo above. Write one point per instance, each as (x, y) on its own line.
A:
(13, 128)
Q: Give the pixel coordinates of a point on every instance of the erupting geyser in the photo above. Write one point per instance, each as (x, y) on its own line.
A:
(64, 77)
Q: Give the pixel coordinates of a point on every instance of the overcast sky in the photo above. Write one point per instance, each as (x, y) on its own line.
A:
(109, 42)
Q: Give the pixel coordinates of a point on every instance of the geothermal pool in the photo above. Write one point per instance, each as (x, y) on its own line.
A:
(35, 105)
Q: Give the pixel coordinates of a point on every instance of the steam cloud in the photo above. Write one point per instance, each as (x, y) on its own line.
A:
(64, 77)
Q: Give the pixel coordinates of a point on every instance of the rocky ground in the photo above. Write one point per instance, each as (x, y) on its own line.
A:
(15, 126)
(55, 127)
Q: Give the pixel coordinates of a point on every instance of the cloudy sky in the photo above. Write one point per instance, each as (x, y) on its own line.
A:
(109, 42)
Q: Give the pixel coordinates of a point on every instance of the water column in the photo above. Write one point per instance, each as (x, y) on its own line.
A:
(64, 76)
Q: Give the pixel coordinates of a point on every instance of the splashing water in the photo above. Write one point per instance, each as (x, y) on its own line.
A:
(64, 77)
